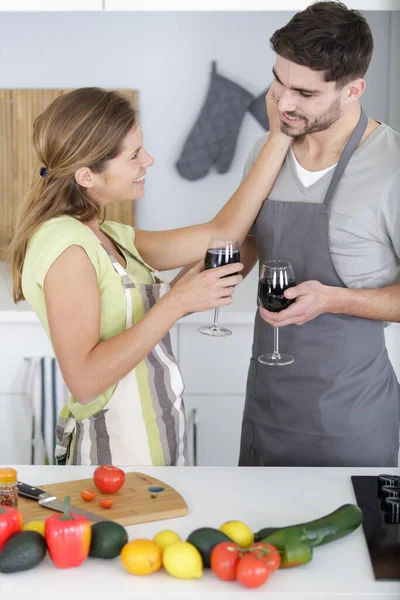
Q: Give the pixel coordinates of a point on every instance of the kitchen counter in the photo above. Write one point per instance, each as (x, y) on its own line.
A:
(260, 497)
(225, 316)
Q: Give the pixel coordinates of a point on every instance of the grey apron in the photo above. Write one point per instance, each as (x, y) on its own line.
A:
(338, 404)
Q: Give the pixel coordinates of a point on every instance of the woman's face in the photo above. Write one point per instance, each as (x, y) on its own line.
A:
(124, 176)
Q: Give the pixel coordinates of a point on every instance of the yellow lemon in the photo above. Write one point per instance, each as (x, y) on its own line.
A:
(34, 526)
(165, 538)
(238, 532)
(183, 560)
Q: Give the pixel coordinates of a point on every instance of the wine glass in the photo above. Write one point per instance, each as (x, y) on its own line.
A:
(220, 251)
(276, 276)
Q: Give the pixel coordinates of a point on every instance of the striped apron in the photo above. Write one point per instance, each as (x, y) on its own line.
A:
(143, 423)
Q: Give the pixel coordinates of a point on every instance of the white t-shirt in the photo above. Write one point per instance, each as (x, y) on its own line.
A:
(306, 177)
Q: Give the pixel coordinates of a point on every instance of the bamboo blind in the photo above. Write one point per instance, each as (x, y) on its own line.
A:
(18, 110)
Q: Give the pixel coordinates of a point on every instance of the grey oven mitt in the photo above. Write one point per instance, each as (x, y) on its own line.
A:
(212, 140)
(259, 110)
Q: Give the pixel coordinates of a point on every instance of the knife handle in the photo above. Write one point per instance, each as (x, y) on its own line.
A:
(28, 491)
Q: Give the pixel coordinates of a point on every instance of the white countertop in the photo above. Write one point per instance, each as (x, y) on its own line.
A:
(237, 318)
(260, 497)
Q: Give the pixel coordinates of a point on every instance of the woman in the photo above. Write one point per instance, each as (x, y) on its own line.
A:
(107, 312)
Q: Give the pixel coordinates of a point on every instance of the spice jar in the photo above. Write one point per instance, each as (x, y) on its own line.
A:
(8, 488)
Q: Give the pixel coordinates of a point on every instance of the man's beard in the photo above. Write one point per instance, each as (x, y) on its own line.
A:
(321, 123)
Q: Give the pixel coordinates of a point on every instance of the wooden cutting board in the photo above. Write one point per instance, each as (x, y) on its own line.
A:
(135, 502)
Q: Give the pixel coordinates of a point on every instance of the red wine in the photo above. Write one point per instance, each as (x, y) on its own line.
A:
(218, 257)
(271, 297)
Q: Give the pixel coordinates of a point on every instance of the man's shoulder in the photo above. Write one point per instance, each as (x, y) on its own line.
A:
(380, 153)
(387, 139)
(255, 151)
(258, 144)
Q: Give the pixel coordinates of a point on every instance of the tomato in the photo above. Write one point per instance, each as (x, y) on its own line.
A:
(252, 572)
(106, 503)
(87, 495)
(224, 560)
(108, 479)
(267, 553)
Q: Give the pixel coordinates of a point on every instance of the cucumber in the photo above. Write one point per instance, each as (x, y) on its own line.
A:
(205, 539)
(22, 551)
(335, 525)
(108, 539)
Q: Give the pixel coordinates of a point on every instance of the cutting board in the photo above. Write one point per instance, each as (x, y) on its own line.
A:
(135, 502)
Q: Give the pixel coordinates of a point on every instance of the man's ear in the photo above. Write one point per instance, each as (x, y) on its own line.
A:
(354, 90)
(84, 177)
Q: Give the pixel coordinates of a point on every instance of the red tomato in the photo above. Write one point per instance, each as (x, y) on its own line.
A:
(267, 553)
(252, 572)
(106, 503)
(108, 479)
(224, 560)
(87, 495)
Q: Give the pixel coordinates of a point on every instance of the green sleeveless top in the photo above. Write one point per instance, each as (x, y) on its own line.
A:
(47, 243)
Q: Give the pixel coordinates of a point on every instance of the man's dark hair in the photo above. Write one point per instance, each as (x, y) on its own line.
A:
(328, 37)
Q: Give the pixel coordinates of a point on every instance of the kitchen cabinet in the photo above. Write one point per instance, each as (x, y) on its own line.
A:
(238, 5)
(50, 5)
(213, 429)
(214, 371)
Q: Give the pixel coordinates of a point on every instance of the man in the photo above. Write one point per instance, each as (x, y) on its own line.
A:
(338, 403)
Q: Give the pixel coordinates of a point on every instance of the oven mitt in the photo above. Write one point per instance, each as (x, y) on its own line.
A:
(213, 138)
(259, 110)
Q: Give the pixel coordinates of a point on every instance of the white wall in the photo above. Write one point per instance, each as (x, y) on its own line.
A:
(167, 57)
(394, 71)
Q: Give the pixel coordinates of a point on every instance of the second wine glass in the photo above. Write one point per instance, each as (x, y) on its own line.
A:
(220, 251)
(276, 276)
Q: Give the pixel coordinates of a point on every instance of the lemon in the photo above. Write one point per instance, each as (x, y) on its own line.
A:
(183, 560)
(34, 526)
(238, 532)
(165, 538)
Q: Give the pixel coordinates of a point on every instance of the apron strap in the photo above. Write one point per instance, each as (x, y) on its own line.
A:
(346, 155)
(126, 280)
(128, 285)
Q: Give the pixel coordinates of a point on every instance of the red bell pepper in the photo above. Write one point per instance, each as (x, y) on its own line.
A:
(68, 538)
(10, 522)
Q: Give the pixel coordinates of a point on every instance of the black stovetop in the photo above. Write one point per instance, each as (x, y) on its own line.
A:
(382, 534)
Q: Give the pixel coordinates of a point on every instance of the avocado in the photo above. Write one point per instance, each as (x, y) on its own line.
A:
(205, 539)
(22, 551)
(108, 539)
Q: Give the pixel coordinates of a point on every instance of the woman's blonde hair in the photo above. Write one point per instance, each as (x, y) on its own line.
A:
(82, 128)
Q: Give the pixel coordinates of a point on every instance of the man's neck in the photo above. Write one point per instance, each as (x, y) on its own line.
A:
(315, 151)
(331, 141)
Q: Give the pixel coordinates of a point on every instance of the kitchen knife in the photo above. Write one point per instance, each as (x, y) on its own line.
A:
(49, 501)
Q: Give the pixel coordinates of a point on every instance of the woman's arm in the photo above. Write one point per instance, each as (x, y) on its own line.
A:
(72, 296)
(174, 248)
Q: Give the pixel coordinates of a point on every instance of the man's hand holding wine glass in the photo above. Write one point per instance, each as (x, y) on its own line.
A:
(312, 299)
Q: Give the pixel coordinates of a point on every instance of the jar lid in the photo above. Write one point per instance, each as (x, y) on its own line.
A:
(8, 476)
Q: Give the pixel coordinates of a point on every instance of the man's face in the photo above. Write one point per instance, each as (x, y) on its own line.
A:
(306, 103)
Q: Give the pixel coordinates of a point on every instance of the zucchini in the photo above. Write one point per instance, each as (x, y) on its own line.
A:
(335, 525)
